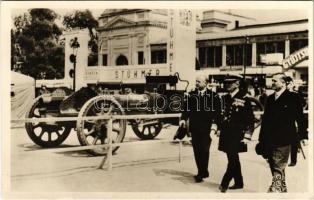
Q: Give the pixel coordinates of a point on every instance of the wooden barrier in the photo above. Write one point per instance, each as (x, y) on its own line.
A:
(110, 119)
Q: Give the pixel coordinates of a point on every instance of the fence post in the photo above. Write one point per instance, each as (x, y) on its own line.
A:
(109, 131)
(180, 151)
(180, 145)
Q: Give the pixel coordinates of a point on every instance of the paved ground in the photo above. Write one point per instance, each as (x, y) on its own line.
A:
(140, 168)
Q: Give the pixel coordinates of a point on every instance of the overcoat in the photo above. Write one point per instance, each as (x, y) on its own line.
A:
(237, 122)
(280, 118)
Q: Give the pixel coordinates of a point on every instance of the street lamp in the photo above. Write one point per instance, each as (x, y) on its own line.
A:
(74, 44)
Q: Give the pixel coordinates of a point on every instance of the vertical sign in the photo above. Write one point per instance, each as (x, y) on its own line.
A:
(181, 46)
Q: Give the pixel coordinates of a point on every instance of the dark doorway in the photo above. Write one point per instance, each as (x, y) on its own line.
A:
(122, 60)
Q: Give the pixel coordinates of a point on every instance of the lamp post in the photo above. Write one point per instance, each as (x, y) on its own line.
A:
(74, 44)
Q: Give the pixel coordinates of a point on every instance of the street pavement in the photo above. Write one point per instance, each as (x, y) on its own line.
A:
(147, 168)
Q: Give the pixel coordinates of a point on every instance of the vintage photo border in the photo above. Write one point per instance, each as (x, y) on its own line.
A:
(5, 110)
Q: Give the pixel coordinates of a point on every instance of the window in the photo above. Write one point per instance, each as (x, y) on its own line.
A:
(140, 58)
(239, 55)
(92, 59)
(104, 59)
(210, 56)
(159, 56)
(269, 47)
(297, 44)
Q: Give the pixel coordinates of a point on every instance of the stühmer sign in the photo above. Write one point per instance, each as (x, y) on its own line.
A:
(181, 46)
(295, 58)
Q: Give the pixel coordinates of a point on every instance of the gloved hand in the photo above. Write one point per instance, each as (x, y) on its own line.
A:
(245, 141)
(304, 142)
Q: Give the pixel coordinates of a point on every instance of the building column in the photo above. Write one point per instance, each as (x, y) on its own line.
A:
(130, 50)
(224, 55)
(287, 48)
(147, 52)
(197, 52)
(254, 55)
(110, 53)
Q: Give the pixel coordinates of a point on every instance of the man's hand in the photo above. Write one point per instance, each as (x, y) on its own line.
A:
(304, 142)
(218, 133)
(182, 123)
(245, 141)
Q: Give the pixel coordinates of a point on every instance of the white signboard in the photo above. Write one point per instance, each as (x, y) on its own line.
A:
(181, 45)
(124, 74)
(272, 58)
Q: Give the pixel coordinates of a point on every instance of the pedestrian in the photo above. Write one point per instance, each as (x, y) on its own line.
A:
(202, 107)
(295, 142)
(236, 128)
(278, 130)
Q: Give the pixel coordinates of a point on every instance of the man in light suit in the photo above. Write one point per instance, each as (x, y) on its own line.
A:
(283, 110)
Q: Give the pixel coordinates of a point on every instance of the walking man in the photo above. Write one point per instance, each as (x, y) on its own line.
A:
(283, 110)
(236, 128)
(202, 107)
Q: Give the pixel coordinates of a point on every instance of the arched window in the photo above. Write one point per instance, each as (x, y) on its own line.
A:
(122, 60)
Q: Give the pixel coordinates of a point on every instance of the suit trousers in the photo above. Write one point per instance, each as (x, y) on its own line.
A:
(233, 170)
(201, 143)
(294, 152)
(278, 160)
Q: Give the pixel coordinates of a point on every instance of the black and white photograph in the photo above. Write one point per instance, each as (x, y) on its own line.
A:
(157, 99)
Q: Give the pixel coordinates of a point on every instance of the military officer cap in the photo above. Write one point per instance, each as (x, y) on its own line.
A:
(230, 78)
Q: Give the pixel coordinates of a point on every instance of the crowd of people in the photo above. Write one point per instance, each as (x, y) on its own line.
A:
(233, 116)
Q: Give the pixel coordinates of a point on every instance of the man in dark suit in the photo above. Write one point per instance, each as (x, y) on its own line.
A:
(295, 142)
(283, 110)
(202, 107)
(236, 128)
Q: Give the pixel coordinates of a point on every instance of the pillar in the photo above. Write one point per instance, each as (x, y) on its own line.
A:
(254, 55)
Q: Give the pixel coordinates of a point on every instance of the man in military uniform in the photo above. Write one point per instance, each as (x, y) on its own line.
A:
(236, 128)
(202, 107)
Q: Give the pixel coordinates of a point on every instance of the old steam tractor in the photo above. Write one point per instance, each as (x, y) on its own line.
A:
(116, 90)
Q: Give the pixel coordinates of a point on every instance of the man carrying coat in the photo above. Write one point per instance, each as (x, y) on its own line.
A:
(202, 107)
(236, 128)
(283, 110)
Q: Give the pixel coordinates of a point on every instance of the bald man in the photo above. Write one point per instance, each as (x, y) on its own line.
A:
(202, 108)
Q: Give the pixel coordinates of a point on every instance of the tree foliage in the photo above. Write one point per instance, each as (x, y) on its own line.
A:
(34, 42)
(84, 19)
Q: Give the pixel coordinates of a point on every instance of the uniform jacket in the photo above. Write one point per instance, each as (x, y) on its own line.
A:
(278, 126)
(201, 111)
(237, 122)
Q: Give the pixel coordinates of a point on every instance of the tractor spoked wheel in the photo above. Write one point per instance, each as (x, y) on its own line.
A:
(147, 129)
(94, 132)
(45, 134)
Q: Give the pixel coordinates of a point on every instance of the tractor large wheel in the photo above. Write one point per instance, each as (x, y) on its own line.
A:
(45, 134)
(146, 129)
(93, 132)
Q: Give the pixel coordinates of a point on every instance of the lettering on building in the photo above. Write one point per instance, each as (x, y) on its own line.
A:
(295, 58)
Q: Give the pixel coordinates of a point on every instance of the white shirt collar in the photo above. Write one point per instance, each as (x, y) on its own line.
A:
(202, 91)
(232, 94)
(279, 93)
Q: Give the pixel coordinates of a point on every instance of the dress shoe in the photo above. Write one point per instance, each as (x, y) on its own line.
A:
(236, 186)
(292, 164)
(205, 175)
(222, 189)
(198, 179)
